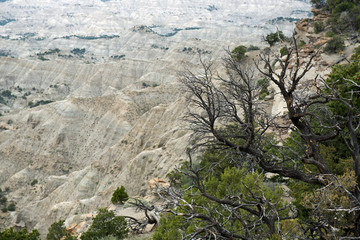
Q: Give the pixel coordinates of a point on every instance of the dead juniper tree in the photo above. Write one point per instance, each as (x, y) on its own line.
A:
(152, 216)
(226, 112)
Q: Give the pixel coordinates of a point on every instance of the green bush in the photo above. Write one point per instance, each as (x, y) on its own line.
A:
(318, 3)
(78, 51)
(283, 51)
(301, 44)
(239, 52)
(106, 224)
(319, 27)
(345, 15)
(57, 231)
(252, 48)
(11, 207)
(38, 103)
(275, 37)
(356, 55)
(335, 45)
(35, 181)
(119, 196)
(170, 227)
(230, 183)
(11, 234)
(329, 34)
(263, 84)
(3, 200)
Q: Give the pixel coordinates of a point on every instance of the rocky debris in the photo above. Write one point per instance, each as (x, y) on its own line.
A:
(158, 183)
(320, 15)
(321, 41)
(307, 49)
(302, 25)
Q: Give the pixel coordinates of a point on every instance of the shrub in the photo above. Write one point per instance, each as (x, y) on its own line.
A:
(35, 181)
(145, 85)
(263, 83)
(275, 37)
(329, 34)
(318, 3)
(319, 27)
(335, 45)
(78, 51)
(301, 44)
(106, 224)
(356, 55)
(4, 209)
(252, 48)
(239, 52)
(7, 94)
(119, 196)
(11, 207)
(57, 231)
(283, 51)
(11, 234)
(3, 200)
(2, 100)
(38, 103)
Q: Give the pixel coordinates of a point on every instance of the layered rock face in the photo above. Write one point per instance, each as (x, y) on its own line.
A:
(94, 100)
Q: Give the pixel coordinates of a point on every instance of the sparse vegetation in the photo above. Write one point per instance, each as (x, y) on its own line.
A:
(264, 84)
(252, 48)
(211, 8)
(12, 234)
(118, 57)
(7, 94)
(319, 26)
(78, 51)
(31, 104)
(335, 45)
(301, 44)
(145, 85)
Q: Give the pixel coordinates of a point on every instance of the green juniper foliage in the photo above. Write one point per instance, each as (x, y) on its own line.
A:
(106, 224)
(57, 231)
(12, 234)
(119, 196)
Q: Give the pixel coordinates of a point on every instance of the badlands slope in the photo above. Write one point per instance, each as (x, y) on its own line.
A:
(109, 69)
